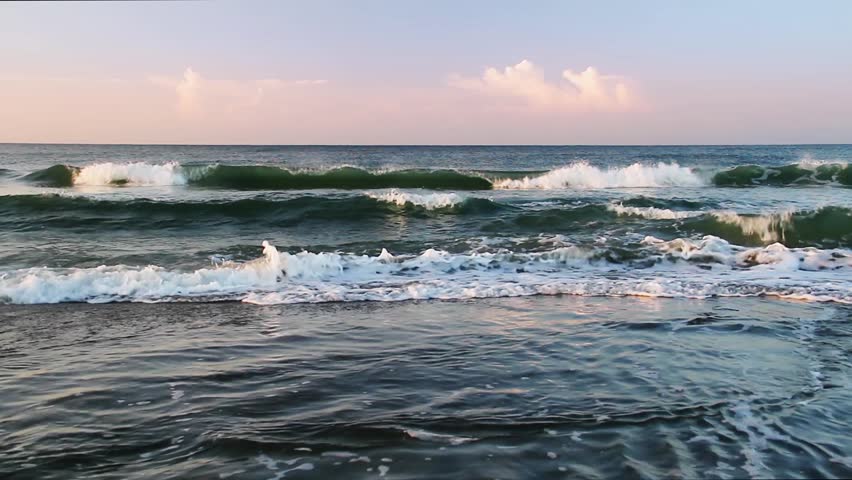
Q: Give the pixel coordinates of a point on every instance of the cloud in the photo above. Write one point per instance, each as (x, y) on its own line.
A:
(187, 90)
(196, 94)
(588, 90)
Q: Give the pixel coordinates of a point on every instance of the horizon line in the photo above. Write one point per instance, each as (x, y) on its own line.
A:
(427, 144)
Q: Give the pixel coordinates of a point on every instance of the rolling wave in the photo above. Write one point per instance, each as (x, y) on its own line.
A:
(795, 174)
(830, 226)
(826, 227)
(252, 177)
(580, 175)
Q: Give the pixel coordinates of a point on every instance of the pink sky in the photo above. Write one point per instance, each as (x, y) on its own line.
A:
(72, 76)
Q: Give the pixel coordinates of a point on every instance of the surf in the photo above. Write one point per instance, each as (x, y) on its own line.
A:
(674, 268)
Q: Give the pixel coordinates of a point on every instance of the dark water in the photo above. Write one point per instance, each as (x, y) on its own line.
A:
(534, 387)
(425, 312)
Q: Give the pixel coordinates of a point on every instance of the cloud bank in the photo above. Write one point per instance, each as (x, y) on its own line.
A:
(588, 90)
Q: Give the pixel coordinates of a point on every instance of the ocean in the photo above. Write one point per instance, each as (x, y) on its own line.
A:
(460, 312)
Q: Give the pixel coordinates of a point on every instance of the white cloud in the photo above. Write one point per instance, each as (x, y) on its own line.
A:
(187, 90)
(196, 94)
(583, 91)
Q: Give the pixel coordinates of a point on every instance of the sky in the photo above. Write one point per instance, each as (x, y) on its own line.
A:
(437, 72)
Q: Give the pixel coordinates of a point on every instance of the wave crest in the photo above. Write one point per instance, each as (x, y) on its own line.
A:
(429, 201)
(652, 213)
(584, 175)
(138, 173)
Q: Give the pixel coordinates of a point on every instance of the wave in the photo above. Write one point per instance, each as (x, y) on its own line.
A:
(826, 227)
(66, 211)
(652, 213)
(584, 175)
(672, 203)
(252, 177)
(829, 226)
(676, 268)
(580, 175)
(430, 201)
(803, 173)
(55, 176)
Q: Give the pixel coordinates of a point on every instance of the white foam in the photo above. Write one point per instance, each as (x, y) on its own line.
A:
(759, 432)
(678, 268)
(583, 175)
(430, 201)
(809, 163)
(652, 213)
(774, 257)
(151, 283)
(438, 437)
(137, 173)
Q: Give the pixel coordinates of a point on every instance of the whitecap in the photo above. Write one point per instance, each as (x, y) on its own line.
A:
(584, 175)
(429, 201)
(137, 173)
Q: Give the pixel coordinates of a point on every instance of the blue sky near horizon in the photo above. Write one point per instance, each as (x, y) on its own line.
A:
(405, 72)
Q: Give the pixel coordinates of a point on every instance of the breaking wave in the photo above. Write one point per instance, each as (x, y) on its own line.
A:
(584, 175)
(652, 213)
(430, 201)
(677, 268)
(826, 227)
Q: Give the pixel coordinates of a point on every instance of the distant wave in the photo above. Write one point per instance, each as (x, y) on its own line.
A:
(252, 177)
(677, 268)
(803, 173)
(579, 175)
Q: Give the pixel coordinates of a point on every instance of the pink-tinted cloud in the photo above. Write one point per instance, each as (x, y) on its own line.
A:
(196, 94)
(588, 90)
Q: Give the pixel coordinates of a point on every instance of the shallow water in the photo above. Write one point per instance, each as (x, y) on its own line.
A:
(537, 387)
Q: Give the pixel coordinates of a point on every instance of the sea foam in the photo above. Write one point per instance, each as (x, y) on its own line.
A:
(429, 201)
(679, 268)
(652, 213)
